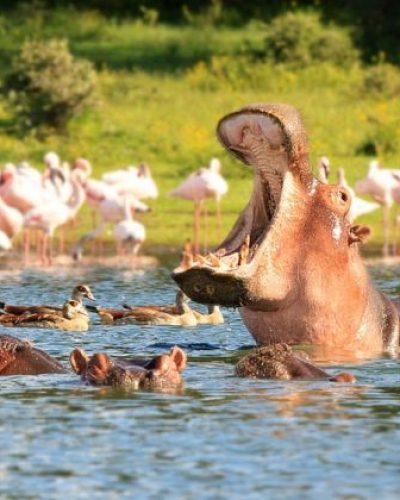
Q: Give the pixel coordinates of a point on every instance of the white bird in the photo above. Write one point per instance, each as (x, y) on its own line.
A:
(136, 181)
(111, 209)
(129, 231)
(381, 184)
(47, 217)
(11, 219)
(202, 184)
(5, 242)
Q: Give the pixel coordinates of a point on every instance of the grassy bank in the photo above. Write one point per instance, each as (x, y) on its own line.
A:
(162, 90)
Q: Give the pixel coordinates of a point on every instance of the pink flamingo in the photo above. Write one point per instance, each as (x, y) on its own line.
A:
(136, 181)
(48, 216)
(11, 219)
(129, 231)
(199, 185)
(111, 209)
(380, 184)
(5, 242)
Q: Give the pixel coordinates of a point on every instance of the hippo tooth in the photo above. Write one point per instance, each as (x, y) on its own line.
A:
(187, 261)
(200, 259)
(244, 251)
(214, 260)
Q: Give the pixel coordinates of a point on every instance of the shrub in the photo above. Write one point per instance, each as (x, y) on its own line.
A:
(47, 86)
(300, 38)
(382, 80)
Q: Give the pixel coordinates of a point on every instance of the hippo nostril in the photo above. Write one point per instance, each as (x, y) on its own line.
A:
(343, 197)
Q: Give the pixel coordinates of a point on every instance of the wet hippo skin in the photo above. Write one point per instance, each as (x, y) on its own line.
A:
(159, 373)
(279, 361)
(291, 262)
(20, 357)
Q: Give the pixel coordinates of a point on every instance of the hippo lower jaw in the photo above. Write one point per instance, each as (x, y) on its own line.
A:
(283, 183)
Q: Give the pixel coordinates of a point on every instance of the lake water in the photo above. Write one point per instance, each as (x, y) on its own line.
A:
(223, 437)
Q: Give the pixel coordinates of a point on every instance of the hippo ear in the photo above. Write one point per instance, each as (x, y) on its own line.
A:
(78, 360)
(179, 357)
(160, 364)
(98, 367)
(359, 234)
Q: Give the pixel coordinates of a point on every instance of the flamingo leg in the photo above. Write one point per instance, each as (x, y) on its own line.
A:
(44, 250)
(219, 217)
(61, 241)
(26, 238)
(196, 226)
(205, 229)
(50, 244)
(39, 245)
(386, 210)
(94, 219)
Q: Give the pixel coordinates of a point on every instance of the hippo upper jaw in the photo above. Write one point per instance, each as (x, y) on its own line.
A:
(283, 188)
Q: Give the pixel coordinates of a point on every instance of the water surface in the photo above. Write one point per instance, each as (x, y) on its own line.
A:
(223, 437)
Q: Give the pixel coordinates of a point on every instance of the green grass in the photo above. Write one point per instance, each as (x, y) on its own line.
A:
(161, 92)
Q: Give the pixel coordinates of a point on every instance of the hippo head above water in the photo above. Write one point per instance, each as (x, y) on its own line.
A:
(291, 261)
(161, 373)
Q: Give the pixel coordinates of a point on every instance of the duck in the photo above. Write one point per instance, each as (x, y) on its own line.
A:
(79, 293)
(178, 314)
(71, 317)
(214, 316)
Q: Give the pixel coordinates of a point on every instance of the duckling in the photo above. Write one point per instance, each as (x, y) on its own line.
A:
(78, 294)
(214, 316)
(178, 314)
(71, 318)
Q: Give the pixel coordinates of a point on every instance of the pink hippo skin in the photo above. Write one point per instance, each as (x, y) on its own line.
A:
(291, 261)
(162, 373)
(20, 357)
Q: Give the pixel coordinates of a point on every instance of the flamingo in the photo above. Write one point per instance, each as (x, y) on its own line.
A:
(111, 209)
(129, 231)
(358, 206)
(5, 242)
(11, 219)
(380, 184)
(199, 185)
(135, 181)
(49, 216)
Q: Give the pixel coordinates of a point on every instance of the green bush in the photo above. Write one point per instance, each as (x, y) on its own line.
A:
(47, 86)
(300, 38)
(382, 80)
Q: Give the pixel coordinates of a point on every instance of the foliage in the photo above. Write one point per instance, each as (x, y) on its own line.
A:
(300, 38)
(382, 80)
(165, 87)
(47, 86)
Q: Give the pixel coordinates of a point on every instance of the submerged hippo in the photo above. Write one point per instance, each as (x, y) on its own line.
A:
(20, 357)
(279, 361)
(291, 261)
(160, 373)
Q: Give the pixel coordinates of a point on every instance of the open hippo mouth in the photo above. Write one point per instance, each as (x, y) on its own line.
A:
(270, 138)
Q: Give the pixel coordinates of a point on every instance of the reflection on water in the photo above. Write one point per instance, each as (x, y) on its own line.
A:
(223, 437)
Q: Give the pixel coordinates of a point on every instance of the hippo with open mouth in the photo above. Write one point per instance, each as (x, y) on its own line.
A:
(291, 261)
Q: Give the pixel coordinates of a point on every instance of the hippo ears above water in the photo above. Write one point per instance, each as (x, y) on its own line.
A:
(359, 234)
(178, 357)
(78, 360)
